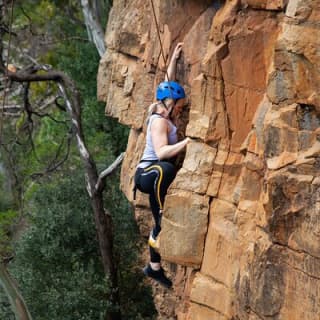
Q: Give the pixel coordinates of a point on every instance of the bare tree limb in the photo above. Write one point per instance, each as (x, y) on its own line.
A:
(27, 105)
(94, 29)
(30, 124)
(15, 179)
(30, 21)
(59, 105)
(11, 107)
(54, 165)
(101, 179)
(10, 114)
(47, 102)
(27, 77)
(18, 305)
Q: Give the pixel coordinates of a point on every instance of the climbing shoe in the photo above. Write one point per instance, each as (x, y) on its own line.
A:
(154, 242)
(157, 275)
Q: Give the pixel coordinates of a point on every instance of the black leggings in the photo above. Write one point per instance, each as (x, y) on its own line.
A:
(155, 180)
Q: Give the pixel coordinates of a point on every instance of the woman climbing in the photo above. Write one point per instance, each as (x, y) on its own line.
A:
(155, 172)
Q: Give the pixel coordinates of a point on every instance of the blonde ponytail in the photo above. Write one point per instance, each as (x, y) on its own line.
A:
(152, 109)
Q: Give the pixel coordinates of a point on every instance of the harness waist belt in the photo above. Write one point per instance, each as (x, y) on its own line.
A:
(151, 161)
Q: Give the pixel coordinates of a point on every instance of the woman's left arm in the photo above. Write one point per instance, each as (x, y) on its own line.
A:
(171, 71)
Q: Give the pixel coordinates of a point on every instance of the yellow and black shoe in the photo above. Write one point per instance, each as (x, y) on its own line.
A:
(154, 242)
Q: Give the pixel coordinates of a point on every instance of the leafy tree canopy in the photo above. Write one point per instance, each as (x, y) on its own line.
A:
(57, 261)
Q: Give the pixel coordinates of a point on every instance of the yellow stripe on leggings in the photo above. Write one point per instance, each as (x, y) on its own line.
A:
(158, 183)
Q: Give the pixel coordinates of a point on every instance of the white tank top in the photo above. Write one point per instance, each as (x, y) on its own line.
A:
(149, 152)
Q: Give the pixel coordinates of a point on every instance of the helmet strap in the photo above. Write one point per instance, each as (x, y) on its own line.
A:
(170, 113)
(162, 101)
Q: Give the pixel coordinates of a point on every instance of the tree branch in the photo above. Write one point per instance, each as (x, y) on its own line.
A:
(18, 305)
(23, 76)
(10, 114)
(59, 105)
(11, 108)
(94, 29)
(53, 166)
(105, 173)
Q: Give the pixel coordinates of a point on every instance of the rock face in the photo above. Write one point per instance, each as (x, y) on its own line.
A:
(242, 217)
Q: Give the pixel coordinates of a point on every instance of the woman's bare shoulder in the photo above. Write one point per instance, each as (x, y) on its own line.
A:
(159, 124)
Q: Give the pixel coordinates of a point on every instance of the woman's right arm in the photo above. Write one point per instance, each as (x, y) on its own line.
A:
(159, 135)
(172, 150)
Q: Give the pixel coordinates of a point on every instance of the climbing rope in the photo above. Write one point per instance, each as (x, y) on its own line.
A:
(6, 67)
(158, 32)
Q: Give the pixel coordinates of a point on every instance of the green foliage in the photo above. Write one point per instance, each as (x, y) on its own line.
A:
(45, 15)
(50, 138)
(7, 219)
(39, 89)
(37, 14)
(5, 311)
(57, 262)
(58, 265)
(5, 195)
(136, 298)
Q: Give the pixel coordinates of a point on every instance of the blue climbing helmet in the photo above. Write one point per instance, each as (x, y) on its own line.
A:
(170, 89)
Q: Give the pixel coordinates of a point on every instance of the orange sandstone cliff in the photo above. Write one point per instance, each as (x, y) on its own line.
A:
(241, 228)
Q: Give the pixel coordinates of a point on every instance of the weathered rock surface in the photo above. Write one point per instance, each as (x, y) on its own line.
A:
(242, 217)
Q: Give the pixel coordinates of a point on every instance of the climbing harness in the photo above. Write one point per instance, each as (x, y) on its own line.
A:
(135, 188)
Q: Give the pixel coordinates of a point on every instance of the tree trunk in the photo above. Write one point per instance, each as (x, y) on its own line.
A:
(94, 29)
(104, 227)
(18, 305)
(95, 186)
(103, 221)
